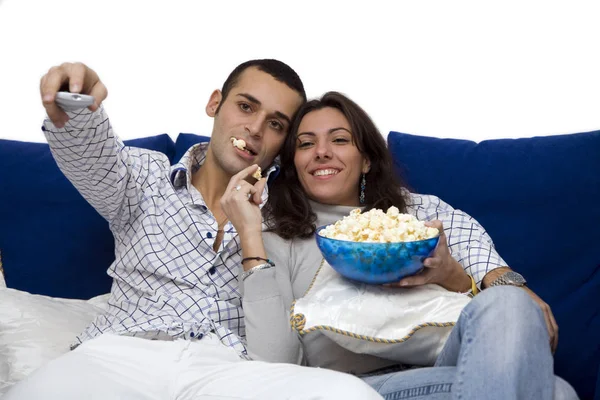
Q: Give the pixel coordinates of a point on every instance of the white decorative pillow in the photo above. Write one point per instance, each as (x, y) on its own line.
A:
(2, 281)
(35, 329)
(406, 325)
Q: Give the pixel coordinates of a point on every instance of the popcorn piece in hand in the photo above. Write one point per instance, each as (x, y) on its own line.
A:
(239, 143)
(377, 226)
(257, 174)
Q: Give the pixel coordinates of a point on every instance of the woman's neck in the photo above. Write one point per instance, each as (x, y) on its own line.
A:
(328, 214)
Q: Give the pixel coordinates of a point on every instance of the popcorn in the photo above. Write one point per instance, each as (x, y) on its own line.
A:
(239, 143)
(377, 226)
(257, 174)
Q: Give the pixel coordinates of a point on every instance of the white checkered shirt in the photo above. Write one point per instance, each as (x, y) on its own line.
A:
(468, 241)
(168, 282)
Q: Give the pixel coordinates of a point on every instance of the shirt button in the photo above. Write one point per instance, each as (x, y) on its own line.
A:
(192, 334)
(200, 335)
(203, 208)
(212, 270)
(208, 235)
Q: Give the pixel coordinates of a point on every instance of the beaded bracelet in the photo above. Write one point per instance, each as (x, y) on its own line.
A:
(256, 268)
(474, 290)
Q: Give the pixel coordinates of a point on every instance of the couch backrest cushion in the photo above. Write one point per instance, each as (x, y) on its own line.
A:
(52, 241)
(539, 198)
(597, 397)
(184, 142)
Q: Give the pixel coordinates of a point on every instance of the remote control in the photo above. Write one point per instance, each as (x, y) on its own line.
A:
(73, 101)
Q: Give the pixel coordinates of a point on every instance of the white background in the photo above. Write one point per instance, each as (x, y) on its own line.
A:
(465, 69)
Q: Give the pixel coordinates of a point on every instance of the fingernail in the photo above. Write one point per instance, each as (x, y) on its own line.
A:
(402, 283)
(47, 98)
(74, 87)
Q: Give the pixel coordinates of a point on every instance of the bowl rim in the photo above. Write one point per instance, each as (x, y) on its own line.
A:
(385, 243)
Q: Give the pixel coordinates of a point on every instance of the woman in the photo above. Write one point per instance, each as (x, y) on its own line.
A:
(335, 160)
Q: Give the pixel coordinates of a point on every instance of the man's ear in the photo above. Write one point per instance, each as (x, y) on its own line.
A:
(213, 103)
(366, 167)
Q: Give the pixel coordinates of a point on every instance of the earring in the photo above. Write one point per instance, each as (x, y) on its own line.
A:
(363, 185)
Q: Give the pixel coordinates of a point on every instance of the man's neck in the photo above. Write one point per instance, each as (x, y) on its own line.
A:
(211, 181)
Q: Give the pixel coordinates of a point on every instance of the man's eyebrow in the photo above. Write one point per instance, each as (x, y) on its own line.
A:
(250, 98)
(283, 116)
(254, 100)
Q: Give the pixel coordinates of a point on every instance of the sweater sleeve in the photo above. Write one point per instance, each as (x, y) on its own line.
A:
(267, 301)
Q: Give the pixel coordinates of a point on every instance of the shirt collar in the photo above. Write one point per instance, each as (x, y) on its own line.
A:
(193, 159)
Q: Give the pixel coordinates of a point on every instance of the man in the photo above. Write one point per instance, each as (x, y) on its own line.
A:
(174, 327)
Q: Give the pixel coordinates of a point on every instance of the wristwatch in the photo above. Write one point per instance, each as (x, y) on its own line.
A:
(509, 278)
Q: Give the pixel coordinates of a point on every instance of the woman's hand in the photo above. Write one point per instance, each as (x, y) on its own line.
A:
(441, 268)
(241, 200)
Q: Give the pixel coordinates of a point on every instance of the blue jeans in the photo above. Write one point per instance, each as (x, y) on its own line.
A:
(499, 349)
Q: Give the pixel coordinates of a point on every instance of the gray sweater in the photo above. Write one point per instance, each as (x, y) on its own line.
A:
(269, 293)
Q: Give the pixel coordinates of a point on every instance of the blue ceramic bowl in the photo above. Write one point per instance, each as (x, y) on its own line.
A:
(375, 263)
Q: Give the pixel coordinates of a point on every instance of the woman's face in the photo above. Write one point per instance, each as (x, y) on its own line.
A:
(328, 163)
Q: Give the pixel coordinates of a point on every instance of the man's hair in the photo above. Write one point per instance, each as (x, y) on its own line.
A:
(277, 69)
(288, 212)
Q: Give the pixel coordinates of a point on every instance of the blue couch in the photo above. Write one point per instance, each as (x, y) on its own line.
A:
(537, 197)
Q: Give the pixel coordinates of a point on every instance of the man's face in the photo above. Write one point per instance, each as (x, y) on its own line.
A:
(258, 110)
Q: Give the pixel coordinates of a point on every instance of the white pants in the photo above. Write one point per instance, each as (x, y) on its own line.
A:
(115, 367)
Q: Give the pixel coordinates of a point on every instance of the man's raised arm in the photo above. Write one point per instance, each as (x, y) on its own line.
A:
(110, 176)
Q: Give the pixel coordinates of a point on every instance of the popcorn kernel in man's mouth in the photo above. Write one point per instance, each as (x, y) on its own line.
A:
(239, 143)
